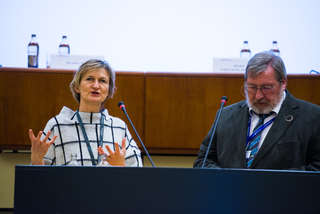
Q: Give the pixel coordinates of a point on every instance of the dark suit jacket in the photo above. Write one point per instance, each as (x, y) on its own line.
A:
(293, 141)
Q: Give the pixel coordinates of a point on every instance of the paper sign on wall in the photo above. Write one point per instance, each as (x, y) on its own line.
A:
(229, 65)
(69, 62)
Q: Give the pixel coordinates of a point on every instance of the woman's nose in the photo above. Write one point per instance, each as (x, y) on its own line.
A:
(96, 84)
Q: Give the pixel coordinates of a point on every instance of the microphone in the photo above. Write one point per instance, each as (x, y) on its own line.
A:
(214, 126)
(123, 108)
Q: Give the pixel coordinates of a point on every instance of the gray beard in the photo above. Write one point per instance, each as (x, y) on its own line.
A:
(267, 109)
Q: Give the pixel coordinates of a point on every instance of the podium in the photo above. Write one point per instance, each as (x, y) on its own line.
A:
(73, 189)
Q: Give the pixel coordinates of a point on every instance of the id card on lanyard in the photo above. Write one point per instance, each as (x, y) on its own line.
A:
(86, 136)
(255, 133)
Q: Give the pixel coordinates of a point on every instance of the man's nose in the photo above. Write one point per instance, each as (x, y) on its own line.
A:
(259, 94)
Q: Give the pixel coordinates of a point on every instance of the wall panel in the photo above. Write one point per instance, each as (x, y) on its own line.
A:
(171, 111)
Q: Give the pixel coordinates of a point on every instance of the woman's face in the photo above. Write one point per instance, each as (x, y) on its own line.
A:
(94, 88)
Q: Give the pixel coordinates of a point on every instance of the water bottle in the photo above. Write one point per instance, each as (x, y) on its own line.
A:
(275, 48)
(245, 52)
(33, 52)
(74, 160)
(64, 47)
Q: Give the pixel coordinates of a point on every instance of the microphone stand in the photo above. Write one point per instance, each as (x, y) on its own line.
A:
(214, 126)
(123, 108)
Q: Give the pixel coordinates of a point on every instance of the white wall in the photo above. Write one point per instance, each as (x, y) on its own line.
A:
(163, 35)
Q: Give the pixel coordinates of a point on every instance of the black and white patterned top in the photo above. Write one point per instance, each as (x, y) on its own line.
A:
(70, 139)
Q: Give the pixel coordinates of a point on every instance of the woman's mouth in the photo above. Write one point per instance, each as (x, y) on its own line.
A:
(95, 93)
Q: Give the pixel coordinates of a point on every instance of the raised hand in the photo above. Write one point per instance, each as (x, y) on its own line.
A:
(39, 147)
(117, 157)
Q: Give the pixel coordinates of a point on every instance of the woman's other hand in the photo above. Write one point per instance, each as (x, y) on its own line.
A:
(39, 147)
(116, 158)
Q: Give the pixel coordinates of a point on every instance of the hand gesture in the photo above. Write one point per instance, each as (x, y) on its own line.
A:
(39, 147)
(116, 158)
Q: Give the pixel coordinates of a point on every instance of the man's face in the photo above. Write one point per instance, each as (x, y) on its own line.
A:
(264, 92)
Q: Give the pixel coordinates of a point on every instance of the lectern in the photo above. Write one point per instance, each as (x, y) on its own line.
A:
(117, 190)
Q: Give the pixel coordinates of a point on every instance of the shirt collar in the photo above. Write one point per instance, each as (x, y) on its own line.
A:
(92, 117)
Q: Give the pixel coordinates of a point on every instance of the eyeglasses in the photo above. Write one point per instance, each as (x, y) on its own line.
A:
(265, 89)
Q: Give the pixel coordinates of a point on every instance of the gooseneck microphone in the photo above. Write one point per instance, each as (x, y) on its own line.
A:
(123, 108)
(213, 128)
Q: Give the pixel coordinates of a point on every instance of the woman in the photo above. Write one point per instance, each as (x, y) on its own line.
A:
(83, 132)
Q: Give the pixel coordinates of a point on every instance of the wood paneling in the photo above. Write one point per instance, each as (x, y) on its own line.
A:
(172, 112)
(181, 109)
(306, 87)
(30, 97)
(130, 90)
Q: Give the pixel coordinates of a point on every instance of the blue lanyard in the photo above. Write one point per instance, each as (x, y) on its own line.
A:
(86, 136)
(258, 130)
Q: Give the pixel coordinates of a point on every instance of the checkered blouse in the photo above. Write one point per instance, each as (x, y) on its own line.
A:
(70, 139)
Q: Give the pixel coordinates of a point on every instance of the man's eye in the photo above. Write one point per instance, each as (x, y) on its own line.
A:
(267, 87)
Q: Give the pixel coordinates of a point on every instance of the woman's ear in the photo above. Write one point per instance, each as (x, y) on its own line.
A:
(76, 89)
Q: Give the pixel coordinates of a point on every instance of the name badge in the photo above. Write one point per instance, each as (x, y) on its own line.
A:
(248, 153)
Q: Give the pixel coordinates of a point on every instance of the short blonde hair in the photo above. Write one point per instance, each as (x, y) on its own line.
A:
(90, 65)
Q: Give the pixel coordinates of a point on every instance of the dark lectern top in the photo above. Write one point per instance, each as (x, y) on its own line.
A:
(65, 189)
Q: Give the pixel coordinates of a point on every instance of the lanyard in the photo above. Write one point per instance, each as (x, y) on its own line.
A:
(258, 130)
(86, 136)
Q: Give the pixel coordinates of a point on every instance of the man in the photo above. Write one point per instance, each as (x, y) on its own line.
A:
(270, 129)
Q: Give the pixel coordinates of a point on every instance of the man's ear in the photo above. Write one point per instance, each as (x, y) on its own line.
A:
(284, 84)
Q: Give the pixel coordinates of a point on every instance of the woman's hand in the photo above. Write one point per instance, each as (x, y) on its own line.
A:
(116, 158)
(39, 147)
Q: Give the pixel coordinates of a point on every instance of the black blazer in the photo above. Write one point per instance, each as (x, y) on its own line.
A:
(293, 141)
